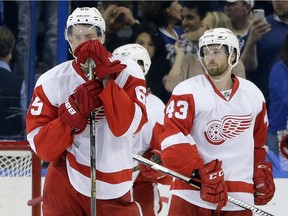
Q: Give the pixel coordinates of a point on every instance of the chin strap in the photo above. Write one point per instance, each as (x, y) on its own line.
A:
(228, 72)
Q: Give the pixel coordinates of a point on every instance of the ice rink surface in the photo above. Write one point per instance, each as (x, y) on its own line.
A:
(16, 191)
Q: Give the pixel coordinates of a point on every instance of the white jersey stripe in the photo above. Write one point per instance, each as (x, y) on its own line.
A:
(30, 138)
(176, 139)
(136, 121)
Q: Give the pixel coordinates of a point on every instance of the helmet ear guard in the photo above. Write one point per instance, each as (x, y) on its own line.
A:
(136, 52)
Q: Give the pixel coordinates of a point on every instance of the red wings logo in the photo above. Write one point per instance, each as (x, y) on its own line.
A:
(229, 127)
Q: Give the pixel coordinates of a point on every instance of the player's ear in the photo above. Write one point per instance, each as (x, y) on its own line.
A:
(103, 39)
(233, 57)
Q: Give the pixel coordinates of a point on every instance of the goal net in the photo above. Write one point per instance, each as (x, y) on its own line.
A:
(20, 179)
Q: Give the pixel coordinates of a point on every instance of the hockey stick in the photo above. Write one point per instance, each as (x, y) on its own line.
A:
(92, 65)
(190, 181)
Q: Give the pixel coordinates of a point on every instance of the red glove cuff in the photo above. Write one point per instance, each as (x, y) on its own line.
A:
(284, 146)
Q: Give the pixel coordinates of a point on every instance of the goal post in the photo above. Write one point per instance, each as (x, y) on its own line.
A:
(20, 178)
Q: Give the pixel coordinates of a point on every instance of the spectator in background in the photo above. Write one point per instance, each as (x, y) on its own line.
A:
(11, 125)
(278, 107)
(166, 15)
(117, 16)
(259, 27)
(188, 65)
(239, 12)
(193, 13)
(47, 25)
(46, 49)
(265, 52)
(241, 17)
(214, 19)
(147, 35)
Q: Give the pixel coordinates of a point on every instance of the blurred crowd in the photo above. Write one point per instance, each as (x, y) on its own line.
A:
(170, 31)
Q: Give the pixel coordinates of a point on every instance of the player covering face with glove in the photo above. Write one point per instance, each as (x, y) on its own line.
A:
(86, 43)
(58, 128)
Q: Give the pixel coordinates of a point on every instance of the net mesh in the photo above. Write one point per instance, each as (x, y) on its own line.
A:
(15, 164)
(20, 178)
(15, 181)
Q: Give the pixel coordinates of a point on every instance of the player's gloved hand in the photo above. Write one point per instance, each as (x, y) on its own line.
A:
(284, 146)
(77, 107)
(263, 184)
(147, 171)
(105, 64)
(213, 186)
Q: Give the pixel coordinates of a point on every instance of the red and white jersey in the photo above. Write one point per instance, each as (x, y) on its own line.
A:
(155, 114)
(124, 103)
(201, 125)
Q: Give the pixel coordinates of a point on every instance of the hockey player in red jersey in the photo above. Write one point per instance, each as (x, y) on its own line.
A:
(58, 129)
(145, 190)
(214, 131)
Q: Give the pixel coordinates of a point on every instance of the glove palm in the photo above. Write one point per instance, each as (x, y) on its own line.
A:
(105, 63)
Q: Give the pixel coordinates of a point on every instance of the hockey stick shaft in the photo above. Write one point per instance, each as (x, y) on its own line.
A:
(190, 181)
(92, 147)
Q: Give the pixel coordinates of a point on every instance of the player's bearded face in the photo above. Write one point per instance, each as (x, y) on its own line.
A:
(215, 60)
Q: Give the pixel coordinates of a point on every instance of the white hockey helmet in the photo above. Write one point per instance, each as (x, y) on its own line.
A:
(221, 36)
(88, 16)
(137, 52)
